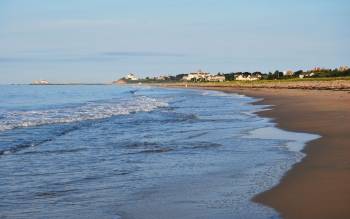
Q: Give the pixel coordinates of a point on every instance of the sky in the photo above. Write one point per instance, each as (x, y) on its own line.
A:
(102, 40)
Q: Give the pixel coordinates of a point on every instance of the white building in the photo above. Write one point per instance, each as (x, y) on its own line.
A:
(40, 82)
(161, 78)
(249, 77)
(307, 75)
(196, 76)
(216, 78)
(343, 68)
(131, 77)
(288, 73)
(203, 76)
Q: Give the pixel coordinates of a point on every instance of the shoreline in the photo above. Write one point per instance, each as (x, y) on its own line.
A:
(318, 186)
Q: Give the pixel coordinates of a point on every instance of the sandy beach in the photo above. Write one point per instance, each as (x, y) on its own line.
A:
(318, 187)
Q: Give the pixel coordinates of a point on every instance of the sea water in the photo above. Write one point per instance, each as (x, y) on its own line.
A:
(137, 152)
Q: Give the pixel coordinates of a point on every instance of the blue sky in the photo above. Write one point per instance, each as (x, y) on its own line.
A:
(102, 40)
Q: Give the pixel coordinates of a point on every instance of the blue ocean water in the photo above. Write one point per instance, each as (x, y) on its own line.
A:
(137, 152)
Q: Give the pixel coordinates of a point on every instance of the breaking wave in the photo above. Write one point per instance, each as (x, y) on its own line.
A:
(89, 111)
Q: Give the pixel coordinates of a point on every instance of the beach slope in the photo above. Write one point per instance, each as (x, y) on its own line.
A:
(319, 186)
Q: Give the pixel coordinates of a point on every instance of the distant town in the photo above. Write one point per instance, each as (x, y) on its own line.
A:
(202, 76)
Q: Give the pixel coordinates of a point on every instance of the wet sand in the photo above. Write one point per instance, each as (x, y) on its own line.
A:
(319, 186)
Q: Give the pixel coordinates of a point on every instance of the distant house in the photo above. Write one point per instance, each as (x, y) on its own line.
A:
(248, 77)
(203, 76)
(288, 73)
(196, 76)
(216, 78)
(131, 77)
(40, 82)
(343, 68)
(307, 75)
(161, 78)
(318, 69)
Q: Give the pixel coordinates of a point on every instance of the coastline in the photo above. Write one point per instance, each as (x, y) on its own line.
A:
(318, 186)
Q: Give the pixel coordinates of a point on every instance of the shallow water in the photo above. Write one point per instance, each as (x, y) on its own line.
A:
(137, 152)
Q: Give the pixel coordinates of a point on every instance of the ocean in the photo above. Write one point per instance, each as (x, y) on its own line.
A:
(137, 152)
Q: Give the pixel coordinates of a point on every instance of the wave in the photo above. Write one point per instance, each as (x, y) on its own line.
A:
(155, 151)
(60, 151)
(89, 111)
(16, 148)
(37, 142)
(222, 94)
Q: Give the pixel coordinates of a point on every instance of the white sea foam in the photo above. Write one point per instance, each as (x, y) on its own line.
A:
(295, 141)
(88, 111)
(214, 93)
